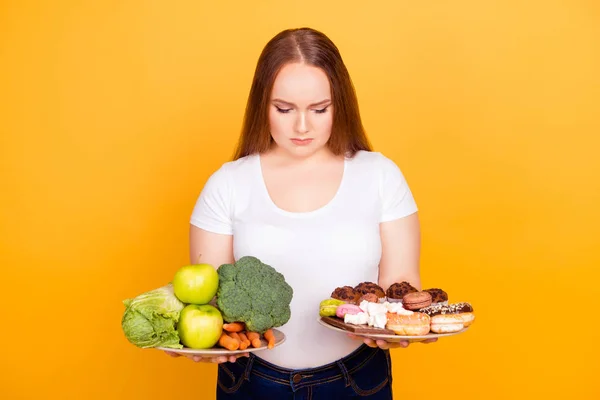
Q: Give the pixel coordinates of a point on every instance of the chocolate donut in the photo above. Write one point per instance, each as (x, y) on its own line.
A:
(370, 287)
(464, 310)
(437, 295)
(345, 293)
(398, 290)
(455, 308)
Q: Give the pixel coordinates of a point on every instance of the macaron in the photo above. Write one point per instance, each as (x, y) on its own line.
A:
(344, 309)
(416, 300)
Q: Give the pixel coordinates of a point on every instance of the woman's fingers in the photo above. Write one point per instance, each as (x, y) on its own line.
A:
(216, 360)
(382, 344)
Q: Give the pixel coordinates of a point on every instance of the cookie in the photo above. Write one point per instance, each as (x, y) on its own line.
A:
(370, 287)
(346, 293)
(437, 295)
(398, 290)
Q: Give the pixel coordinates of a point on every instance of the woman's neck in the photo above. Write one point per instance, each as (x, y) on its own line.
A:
(280, 157)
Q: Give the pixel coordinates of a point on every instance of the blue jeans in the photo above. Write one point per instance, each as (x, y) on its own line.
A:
(365, 373)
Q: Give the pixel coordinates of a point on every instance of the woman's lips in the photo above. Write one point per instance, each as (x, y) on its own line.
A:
(301, 142)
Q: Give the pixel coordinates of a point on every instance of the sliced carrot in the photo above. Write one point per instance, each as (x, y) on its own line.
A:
(228, 342)
(234, 327)
(270, 338)
(254, 338)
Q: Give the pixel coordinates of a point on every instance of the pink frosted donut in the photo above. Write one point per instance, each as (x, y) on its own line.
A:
(347, 309)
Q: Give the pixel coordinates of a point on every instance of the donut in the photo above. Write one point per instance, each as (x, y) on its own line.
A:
(416, 300)
(345, 293)
(437, 295)
(463, 310)
(446, 323)
(370, 287)
(397, 291)
(415, 324)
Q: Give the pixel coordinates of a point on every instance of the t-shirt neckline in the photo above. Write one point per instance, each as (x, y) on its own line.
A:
(303, 214)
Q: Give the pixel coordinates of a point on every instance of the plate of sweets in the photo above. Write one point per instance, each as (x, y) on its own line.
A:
(399, 313)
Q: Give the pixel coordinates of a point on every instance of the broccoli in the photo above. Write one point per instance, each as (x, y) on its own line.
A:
(255, 293)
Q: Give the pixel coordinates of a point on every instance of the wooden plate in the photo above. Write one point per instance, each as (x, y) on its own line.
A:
(370, 332)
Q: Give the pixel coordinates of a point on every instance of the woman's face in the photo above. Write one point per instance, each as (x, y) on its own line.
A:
(301, 110)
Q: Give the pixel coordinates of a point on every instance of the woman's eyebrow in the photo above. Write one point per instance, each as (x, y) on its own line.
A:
(287, 103)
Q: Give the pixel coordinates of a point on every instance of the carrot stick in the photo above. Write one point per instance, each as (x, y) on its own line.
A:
(228, 342)
(234, 327)
(254, 338)
(245, 342)
(237, 338)
(270, 338)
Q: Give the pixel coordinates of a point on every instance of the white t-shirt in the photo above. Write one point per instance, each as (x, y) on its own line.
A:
(335, 245)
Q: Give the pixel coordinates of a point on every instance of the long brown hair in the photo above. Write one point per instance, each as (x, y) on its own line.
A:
(311, 47)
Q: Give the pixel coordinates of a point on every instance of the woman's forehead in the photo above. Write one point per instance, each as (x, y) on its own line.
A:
(301, 85)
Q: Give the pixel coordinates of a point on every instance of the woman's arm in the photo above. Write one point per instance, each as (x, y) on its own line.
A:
(210, 248)
(401, 251)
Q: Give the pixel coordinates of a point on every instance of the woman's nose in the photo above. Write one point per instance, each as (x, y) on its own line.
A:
(301, 123)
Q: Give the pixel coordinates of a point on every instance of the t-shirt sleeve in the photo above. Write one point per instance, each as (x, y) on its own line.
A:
(213, 209)
(396, 197)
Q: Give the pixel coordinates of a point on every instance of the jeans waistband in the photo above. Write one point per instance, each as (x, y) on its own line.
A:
(311, 376)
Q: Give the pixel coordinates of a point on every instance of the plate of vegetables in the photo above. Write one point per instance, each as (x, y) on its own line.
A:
(204, 311)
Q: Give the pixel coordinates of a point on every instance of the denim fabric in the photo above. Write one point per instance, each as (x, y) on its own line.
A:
(365, 373)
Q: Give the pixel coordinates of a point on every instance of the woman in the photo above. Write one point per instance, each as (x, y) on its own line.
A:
(306, 195)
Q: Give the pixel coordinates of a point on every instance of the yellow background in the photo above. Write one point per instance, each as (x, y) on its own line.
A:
(114, 113)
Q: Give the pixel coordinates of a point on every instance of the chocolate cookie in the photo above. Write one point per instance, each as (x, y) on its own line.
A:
(399, 290)
(437, 295)
(369, 287)
(346, 293)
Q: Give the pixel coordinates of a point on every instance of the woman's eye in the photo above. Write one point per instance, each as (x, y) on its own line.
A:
(283, 110)
(321, 111)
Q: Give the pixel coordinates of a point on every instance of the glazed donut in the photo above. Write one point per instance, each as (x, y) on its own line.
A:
(415, 324)
(446, 323)
(416, 300)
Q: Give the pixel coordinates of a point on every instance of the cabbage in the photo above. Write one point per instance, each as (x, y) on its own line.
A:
(150, 319)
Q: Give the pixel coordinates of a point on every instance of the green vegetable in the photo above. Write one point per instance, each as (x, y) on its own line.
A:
(150, 319)
(255, 293)
(328, 307)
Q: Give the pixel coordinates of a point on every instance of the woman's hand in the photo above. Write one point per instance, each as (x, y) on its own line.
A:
(384, 345)
(215, 360)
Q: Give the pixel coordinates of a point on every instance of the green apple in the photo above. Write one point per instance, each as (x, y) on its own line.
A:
(199, 326)
(196, 284)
